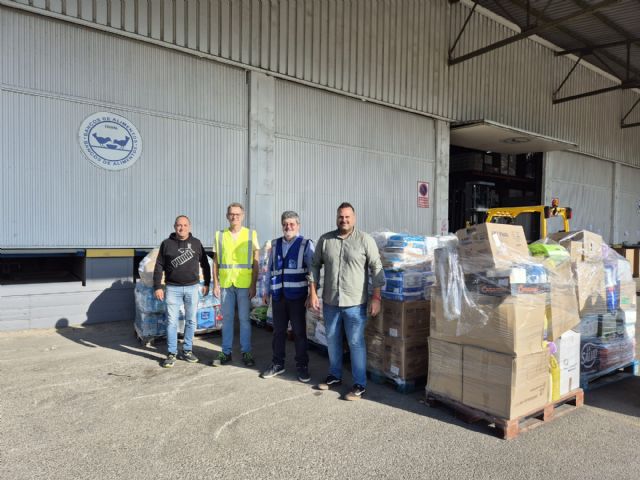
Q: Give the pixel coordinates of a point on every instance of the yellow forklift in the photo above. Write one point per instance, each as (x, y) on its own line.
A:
(509, 215)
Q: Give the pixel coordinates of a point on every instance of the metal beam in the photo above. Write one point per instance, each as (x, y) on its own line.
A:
(591, 49)
(575, 36)
(464, 25)
(567, 77)
(623, 86)
(531, 31)
(627, 125)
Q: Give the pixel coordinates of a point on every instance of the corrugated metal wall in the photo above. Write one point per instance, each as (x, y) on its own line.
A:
(191, 113)
(585, 184)
(629, 205)
(331, 149)
(514, 85)
(393, 51)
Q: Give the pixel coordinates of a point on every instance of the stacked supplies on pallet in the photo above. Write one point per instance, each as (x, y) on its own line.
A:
(150, 319)
(607, 303)
(316, 333)
(397, 337)
(264, 277)
(261, 311)
(406, 260)
(487, 328)
(561, 316)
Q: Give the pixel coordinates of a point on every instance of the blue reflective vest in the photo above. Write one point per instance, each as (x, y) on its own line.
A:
(288, 273)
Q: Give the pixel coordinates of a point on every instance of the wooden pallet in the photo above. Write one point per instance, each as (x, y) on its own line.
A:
(606, 377)
(510, 429)
(401, 385)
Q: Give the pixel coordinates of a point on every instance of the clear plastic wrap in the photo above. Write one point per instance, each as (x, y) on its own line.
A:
(316, 331)
(264, 277)
(606, 303)
(408, 265)
(490, 292)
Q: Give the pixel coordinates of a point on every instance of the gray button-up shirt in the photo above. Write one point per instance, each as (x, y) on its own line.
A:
(347, 265)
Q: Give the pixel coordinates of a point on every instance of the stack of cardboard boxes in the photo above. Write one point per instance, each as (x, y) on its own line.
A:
(486, 345)
(606, 300)
(397, 337)
(397, 340)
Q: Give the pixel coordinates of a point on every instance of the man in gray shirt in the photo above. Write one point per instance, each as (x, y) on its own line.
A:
(349, 256)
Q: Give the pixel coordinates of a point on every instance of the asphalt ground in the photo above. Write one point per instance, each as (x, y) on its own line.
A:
(90, 402)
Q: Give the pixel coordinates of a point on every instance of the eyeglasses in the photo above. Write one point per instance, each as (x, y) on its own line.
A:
(234, 214)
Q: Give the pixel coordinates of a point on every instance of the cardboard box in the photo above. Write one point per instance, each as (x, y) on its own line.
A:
(375, 352)
(406, 358)
(445, 369)
(375, 324)
(628, 297)
(504, 385)
(406, 319)
(514, 325)
(590, 287)
(491, 245)
(568, 357)
(562, 311)
(582, 245)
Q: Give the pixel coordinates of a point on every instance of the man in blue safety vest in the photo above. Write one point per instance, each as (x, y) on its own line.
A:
(289, 263)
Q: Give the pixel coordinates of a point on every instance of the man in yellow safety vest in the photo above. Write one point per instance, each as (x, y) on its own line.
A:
(235, 271)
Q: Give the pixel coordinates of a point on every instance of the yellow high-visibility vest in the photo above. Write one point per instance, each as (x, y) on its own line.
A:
(235, 258)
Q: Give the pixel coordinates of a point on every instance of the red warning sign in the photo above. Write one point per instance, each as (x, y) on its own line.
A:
(423, 194)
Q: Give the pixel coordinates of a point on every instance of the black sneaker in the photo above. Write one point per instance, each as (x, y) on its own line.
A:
(248, 360)
(303, 374)
(188, 356)
(170, 361)
(221, 359)
(272, 371)
(331, 381)
(356, 393)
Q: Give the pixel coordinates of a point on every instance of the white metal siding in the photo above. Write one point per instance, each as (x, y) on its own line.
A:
(585, 184)
(191, 113)
(331, 149)
(392, 51)
(629, 205)
(514, 84)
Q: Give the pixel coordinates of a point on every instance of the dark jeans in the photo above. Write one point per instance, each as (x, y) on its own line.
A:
(285, 311)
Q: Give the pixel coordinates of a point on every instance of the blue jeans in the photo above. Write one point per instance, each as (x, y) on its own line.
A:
(354, 320)
(175, 296)
(229, 298)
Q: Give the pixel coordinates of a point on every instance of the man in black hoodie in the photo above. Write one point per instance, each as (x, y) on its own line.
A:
(179, 257)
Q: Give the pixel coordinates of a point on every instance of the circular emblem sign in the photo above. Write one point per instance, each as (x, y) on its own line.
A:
(110, 141)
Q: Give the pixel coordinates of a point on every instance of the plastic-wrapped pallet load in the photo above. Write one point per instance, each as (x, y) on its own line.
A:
(264, 276)
(490, 321)
(606, 302)
(151, 321)
(398, 336)
(316, 331)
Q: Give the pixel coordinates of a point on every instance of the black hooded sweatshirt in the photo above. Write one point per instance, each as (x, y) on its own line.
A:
(179, 260)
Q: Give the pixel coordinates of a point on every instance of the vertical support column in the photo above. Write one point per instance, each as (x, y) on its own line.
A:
(615, 236)
(441, 182)
(547, 176)
(261, 158)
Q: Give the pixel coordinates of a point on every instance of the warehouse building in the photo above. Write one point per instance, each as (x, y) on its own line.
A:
(117, 115)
